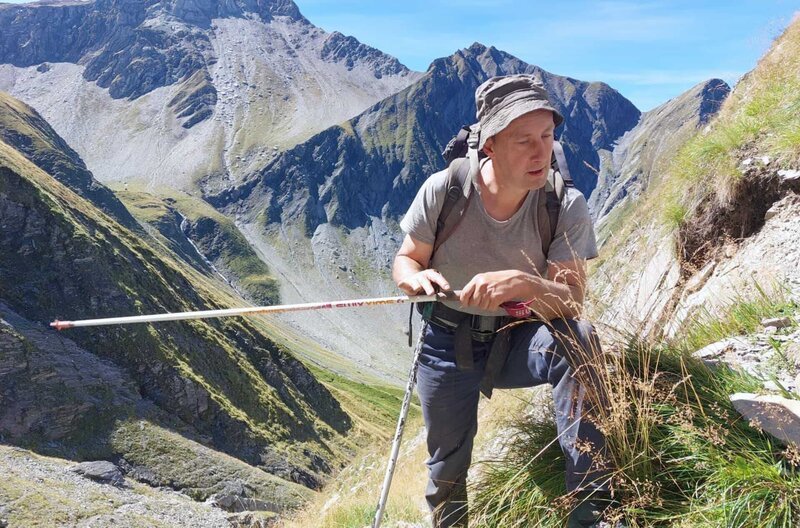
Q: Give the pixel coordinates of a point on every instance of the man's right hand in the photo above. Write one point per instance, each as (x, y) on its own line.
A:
(429, 281)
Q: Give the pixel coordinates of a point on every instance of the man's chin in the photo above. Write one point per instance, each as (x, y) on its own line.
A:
(536, 181)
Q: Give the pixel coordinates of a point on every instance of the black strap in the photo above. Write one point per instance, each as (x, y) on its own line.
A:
(559, 164)
(496, 361)
(458, 189)
(410, 321)
(462, 343)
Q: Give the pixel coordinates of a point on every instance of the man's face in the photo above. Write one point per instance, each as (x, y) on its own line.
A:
(521, 152)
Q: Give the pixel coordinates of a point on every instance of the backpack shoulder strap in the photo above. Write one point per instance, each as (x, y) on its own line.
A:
(550, 200)
(559, 163)
(458, 193)
(549, 207)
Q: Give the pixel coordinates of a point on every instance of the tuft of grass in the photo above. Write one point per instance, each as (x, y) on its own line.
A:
(742, 316)
(682, 455)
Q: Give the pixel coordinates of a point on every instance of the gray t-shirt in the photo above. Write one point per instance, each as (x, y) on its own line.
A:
(481, 244)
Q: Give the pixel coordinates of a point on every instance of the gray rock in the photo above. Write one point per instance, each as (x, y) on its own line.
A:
(101, 471)
(253, 520)
(773, 211)
(776, 415)
(719, 348)
(792, 352)
(234, 498)
(777, 322)
(789, 175)
(770, 329)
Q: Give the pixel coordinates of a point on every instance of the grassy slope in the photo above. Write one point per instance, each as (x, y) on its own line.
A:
(233, 382)
(704, 178)
(225, 246)
(180, 462)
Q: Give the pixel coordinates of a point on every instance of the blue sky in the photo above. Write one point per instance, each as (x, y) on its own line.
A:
(649, 51)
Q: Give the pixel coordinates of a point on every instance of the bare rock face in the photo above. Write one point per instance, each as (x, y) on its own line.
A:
(248, 78)
(348, 50)
(100, 471)
(52, 389)
(133, 47)
(129, 46)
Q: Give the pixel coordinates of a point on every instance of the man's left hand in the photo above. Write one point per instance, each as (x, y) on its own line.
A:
(488, 291)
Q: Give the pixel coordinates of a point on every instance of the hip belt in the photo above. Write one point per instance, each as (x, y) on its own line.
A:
(468, 327)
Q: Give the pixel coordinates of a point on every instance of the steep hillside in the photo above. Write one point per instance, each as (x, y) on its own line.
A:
(718, 222)
(641, 153)
(224, 385)
(179, 91)
(22, 128)
(202, 237)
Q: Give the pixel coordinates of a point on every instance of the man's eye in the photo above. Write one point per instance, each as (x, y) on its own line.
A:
(547, 135)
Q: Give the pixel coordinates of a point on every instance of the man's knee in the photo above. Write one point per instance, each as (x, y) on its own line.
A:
(578, 337)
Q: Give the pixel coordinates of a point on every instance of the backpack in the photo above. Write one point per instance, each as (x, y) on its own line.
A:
(462, 158)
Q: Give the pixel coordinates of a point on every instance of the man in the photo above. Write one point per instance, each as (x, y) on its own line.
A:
(495, 255)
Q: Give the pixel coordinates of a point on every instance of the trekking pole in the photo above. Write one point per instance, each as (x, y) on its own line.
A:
(253, 310)
(401, 423)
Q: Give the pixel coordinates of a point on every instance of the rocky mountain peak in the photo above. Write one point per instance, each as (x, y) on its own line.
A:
(711, 94)
(201, 12)
(348, 50)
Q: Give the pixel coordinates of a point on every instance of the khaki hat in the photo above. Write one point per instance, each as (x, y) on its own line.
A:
(500, 100)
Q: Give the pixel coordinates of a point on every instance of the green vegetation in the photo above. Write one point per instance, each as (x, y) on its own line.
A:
(761, 117)
(742, 316)
(249, 386)
(375, 407)
(184, 464)
(685, 456)
(213, 233)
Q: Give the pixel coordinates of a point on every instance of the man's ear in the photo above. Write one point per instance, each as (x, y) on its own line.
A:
(488, 147)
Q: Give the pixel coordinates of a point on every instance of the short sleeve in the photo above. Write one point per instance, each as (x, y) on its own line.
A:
(574, 238)
(420, 220)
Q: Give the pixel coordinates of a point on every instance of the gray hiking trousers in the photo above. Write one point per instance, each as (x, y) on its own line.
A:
(539, 354)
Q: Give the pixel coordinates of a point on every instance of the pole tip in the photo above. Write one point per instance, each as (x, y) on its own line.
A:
(61, 325)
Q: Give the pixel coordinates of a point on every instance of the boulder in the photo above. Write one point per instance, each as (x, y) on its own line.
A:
(234, 498)
(715, 350)
(100, 471)
(777, 322)
(774, 414)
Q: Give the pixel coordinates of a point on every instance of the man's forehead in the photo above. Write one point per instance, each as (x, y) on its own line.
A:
(538, 119)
